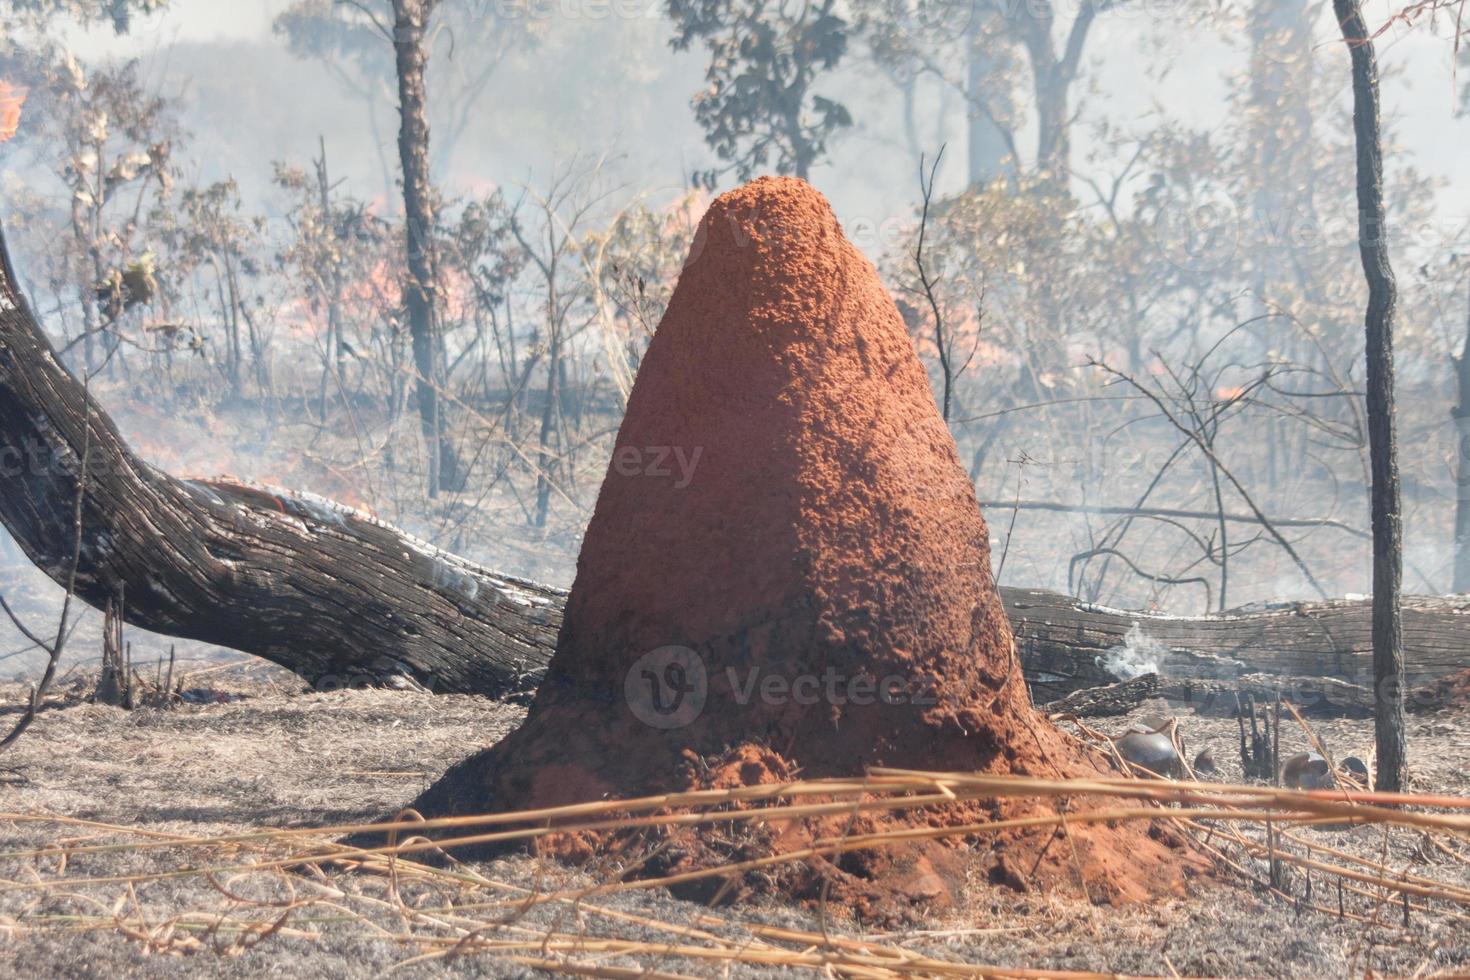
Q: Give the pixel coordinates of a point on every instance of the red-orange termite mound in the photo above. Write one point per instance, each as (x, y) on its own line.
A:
(787, 573)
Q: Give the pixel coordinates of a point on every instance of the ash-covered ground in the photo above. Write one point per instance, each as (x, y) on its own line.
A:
(253, 749)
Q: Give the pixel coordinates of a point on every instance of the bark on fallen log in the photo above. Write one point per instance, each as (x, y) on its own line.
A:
(342, 598)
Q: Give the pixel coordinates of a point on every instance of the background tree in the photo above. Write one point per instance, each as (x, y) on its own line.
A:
(410, 22)
(336, 244)
(115, 141)
(219, 236)
(467, 40)
(352, 34)
(759, 110)
(1460, 413)
(960, 46)
(1007, 61)
(1388, 562)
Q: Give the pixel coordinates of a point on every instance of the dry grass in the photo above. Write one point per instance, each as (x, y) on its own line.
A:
(203, 839)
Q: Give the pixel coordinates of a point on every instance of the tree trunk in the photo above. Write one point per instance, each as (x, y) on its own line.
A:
(1052, 78)
(333, 353)
(327, 591)
(1388, 640)
(1053, 145)
(801, 150)
(1321, 697)
(545, 462)
(410, 18)
(1281, 128)
(1461, 414)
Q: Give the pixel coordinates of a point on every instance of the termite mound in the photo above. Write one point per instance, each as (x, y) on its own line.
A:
(808, 593)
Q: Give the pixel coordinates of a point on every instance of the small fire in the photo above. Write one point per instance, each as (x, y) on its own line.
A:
(12, 97)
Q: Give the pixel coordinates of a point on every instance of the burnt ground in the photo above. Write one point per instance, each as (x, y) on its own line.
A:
(256, 750)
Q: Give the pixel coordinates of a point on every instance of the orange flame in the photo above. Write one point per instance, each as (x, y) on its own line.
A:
(12, 97)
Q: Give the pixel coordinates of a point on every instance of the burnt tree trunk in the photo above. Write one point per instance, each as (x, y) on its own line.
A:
(1388, 559)
(410, 18)
(325, 590)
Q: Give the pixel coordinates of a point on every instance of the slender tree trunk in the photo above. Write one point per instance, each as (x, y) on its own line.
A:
(94, 238)
(910, 124)
(410, 19)
(545, 462)
(233, 355)
(334, 356)
(1461, 414)
(85, 290)
(801, 151)
(1388, 634)
(1053, 144)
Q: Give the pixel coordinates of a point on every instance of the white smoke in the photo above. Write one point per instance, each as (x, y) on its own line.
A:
(1137, 655)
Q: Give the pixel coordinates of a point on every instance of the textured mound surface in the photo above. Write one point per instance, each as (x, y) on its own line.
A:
(787, 572)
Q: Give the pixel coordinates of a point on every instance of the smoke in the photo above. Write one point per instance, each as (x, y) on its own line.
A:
(1137, 655)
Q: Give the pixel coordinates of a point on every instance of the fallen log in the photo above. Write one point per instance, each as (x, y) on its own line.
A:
(344, 599)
